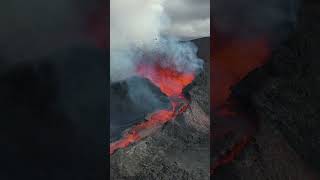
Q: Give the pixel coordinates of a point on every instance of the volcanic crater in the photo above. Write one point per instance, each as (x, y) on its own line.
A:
(173, 141)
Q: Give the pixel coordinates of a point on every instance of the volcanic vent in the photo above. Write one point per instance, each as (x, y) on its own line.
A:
(171, 83)
(171, 141)
(163, 64)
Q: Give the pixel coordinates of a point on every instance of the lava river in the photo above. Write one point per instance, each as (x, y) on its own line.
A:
(232, 60)
(171, 83)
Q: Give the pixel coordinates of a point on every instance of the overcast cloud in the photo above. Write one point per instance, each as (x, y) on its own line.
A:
(189, 18)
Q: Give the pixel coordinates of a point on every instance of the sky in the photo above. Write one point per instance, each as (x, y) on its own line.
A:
(189, 18)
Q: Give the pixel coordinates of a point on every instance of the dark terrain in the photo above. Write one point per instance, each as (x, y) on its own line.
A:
(180, 150)
(285, 95)
(130, 102)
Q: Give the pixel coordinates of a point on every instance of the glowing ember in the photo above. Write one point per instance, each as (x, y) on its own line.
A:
(170, 83)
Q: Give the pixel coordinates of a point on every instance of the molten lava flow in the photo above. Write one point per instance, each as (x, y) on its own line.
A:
(236, 150)
(232, 61)
(168, 80)
(170, 83)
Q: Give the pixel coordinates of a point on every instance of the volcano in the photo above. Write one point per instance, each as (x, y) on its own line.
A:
(160, 145)
(171, 83)
(278, 96)
(129, 107)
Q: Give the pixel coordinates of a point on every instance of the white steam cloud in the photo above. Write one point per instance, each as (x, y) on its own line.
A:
(137, 29)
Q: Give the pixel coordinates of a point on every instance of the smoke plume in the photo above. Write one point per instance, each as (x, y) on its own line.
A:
(141, 45)
(137, 33)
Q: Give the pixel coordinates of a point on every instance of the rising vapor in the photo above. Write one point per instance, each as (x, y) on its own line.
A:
(137, 34)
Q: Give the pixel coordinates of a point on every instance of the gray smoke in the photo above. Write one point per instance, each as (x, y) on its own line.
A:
(141, 27)
(146, 31)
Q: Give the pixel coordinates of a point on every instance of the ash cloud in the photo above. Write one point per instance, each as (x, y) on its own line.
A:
(134, 26)
(146, 31)
(143, 27)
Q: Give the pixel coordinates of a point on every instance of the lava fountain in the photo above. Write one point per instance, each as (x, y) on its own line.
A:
(171, 83)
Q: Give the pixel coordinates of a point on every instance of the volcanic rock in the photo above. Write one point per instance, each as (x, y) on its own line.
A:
(285, 95)
(180, 150)
(129, 108)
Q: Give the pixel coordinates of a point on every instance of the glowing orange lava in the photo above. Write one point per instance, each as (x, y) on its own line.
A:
(170, 83)
(233, 59)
